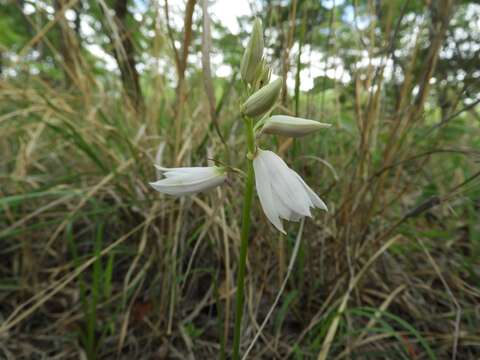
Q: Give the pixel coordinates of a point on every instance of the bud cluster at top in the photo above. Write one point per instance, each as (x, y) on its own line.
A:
(264, 94)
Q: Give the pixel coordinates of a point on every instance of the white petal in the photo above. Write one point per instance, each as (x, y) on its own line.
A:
(285, 185)
(284, 211)
(313, 196)
(184, 181)
(176, 186)
(193, 175)
(170, 172)
(185, 169)
(265, 194)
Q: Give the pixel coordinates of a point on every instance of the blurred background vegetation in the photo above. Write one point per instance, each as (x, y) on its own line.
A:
(96, 265)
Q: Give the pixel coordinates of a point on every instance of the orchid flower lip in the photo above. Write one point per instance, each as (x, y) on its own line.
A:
(282, 192)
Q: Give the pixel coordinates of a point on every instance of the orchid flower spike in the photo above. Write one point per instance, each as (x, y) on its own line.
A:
(283, 193)
(189, 180)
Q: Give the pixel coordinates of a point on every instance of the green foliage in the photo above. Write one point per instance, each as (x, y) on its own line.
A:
(94, 290)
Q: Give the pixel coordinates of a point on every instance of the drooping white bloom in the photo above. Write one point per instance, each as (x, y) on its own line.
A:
(189, 180)
(283, 193)
(291, 126)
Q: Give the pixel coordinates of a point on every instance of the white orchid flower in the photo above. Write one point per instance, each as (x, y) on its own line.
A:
(291, 126)
(283, 193)
(189, 180)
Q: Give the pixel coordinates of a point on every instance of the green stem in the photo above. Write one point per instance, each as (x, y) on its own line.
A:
(247, 204)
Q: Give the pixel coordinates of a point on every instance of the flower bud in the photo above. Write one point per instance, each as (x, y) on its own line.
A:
(263, 75)
(252, 57)
(291, 126)
(262, 100)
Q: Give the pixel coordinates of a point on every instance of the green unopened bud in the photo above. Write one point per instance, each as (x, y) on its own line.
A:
(252, 57)
(291, 126)
(262, 100)
(263, 75)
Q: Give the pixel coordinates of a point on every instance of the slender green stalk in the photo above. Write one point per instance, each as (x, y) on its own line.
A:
(247, 204)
